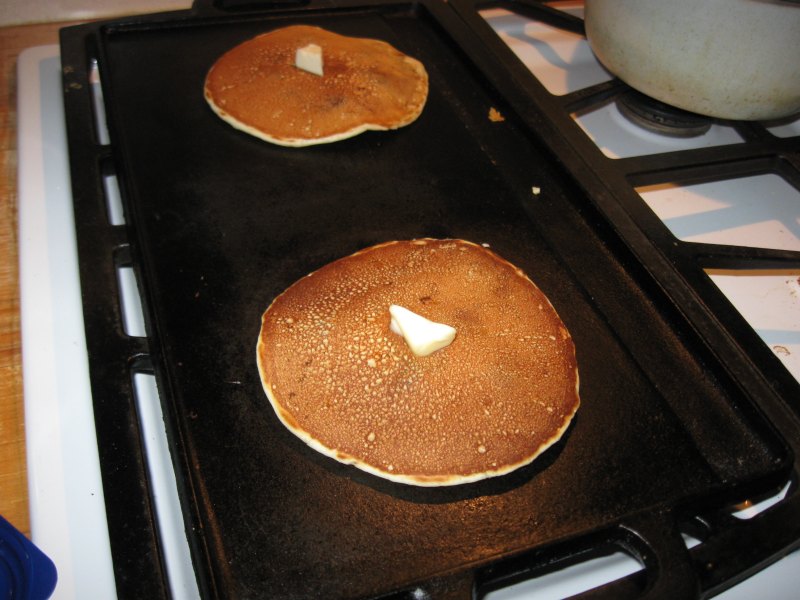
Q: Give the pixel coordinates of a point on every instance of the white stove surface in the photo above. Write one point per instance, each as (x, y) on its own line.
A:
(66, 496)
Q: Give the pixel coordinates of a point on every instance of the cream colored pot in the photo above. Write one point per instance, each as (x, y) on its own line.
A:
(732, 59)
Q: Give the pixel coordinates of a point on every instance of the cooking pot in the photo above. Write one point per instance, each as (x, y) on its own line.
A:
(731, 59)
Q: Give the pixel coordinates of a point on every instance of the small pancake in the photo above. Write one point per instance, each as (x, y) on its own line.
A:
(366, 84)
(500, 394)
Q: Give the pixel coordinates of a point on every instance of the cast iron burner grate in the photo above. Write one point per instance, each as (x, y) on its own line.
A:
(658, 117)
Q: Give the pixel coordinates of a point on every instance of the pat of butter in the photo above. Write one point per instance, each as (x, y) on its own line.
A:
(423, 337)
(309, 58)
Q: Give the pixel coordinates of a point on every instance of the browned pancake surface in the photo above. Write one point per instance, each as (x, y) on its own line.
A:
(490, 402)
(367, 84)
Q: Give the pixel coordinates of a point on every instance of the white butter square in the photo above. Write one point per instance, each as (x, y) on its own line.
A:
(309, 58)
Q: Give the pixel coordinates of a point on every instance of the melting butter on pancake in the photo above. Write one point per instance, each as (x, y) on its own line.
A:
(365, 84)
(503, 391)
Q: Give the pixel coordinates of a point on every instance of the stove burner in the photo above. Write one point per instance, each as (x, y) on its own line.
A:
(655, 116)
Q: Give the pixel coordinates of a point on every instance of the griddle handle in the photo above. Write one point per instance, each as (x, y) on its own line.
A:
(668, 571)
(655, 540)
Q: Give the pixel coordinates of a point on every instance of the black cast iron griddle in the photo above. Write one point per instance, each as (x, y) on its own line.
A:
(219, 223)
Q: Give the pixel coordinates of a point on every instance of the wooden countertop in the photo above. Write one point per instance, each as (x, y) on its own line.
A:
(13, 480)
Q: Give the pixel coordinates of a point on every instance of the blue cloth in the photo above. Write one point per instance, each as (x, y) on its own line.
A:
(25, 572)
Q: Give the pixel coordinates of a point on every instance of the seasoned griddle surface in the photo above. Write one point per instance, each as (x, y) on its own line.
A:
(220, 223)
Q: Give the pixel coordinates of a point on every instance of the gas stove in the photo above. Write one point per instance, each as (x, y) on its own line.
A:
(717, 217)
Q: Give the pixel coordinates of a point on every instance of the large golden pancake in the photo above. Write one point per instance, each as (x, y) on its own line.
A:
(500, 394)
(366, 84)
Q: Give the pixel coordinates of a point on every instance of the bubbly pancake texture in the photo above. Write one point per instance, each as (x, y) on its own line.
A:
(366, 84)
(500, 394)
